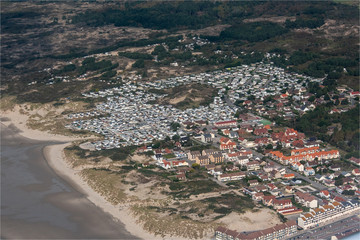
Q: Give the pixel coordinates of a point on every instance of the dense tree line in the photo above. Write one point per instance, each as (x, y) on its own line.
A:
(333, 67)
(253, 32)
(160, 16)
(199, 14)
(136, 55)
(316, 123)
(302, 22)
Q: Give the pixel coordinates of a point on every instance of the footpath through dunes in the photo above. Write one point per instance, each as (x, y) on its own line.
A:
(36, 203)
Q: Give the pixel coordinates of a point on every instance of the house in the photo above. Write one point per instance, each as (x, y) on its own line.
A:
(206, 138)
(200, 123)
(298, 166)
(306, 199)
(348, 180)
(209, 152)
(298, 144)
(228, 146)
(338, 199)
(268, 168)
(253, 166)
(231, 176)
(216, 158)
(289, 211)
(261, 141)
(144, 149)
(192, 155)
(354, 160)
(289, 189)
(258, 196)
(309, 171)
(260, 188)
(329, 182)
(226, 124)
(171, 164)
(242, 160)
(355, 172)
(324, 194)
(268, 200)
(260, 132)
(272, 187)
(335, 168)
(345, 174)
(274, 174)
(319, 177)
(210, 167)
(233, 134)
(253, 182)
(202, 160)
(178, 145)
(277, 232)
(216, 171)
(326, 213)
(226, 132)
(355, 94)
(288, 176)
(181, 177)
(282, 203)
(231, 168)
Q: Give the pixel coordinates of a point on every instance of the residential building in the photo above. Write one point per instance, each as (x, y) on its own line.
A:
(231, 176)
(202, 160)
(326, 213)
(306, 199)
(281, 231)
(193, 154)
(216, 158)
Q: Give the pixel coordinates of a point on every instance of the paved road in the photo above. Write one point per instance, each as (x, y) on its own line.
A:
(325, 232)
(313, 183)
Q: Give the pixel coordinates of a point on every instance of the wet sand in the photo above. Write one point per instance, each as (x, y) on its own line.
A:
(37, 203)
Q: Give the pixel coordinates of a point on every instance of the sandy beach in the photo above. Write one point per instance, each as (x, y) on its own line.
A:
(55, 157)
(18, 120)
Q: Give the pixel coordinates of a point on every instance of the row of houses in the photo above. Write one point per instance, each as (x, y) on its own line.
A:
(280, 231)
(326, 213)
(209, 156)
(304, 156)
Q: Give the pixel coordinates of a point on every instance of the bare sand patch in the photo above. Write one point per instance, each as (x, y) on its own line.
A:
(251, 221)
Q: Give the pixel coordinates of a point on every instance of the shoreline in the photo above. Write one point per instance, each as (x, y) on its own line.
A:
(15, 119)
(56, 159)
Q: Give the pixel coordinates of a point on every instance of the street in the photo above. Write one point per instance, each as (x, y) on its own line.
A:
(325, 232)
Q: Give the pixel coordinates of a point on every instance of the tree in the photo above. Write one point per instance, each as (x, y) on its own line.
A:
(269, 146)
(312, 99)
(139, 64)
(339, 180)
(348, 192)
(345, 102)
(174, 126)
(176, 138)
(195, 166)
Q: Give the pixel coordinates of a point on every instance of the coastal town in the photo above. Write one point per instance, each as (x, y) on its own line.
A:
(221, 120)
(300, 178)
